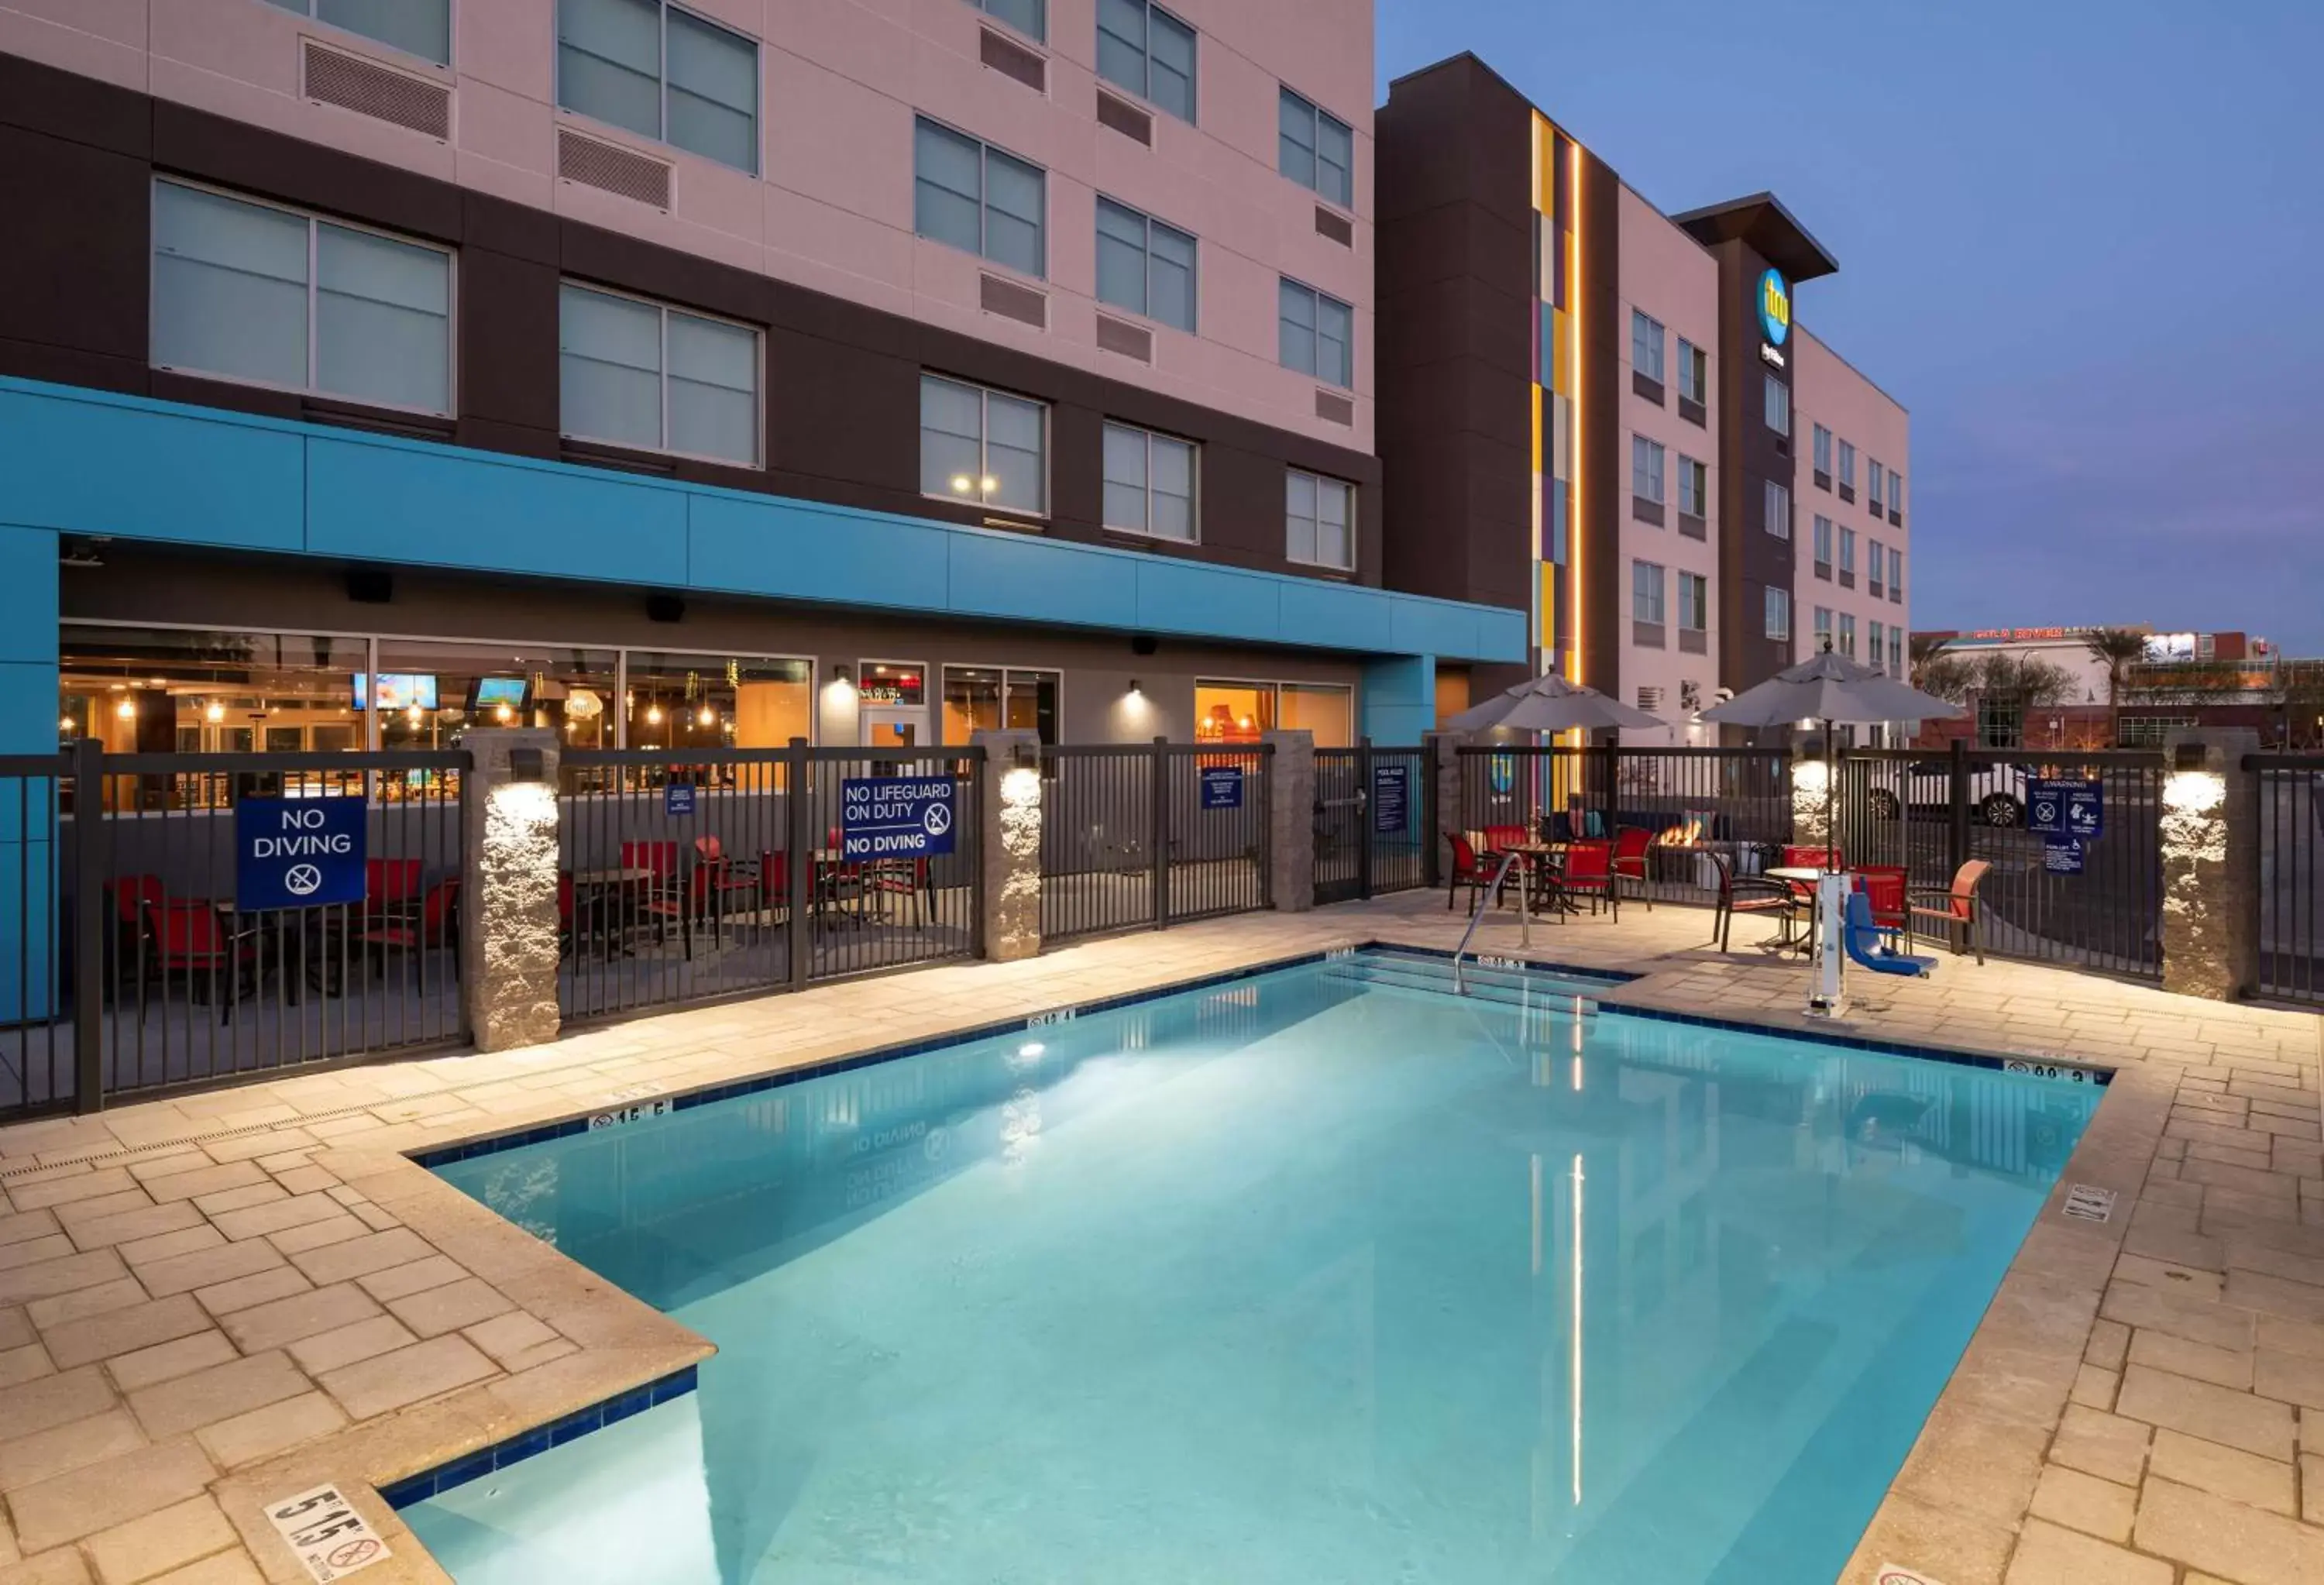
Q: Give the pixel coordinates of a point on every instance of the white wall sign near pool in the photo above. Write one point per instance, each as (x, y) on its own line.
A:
(330, 1536)
(2087, 1202)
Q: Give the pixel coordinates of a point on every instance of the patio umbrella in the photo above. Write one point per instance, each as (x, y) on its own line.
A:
(1830, 688)
(1549, 703)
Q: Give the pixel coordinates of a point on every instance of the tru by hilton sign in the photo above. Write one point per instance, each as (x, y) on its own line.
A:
(297, 852)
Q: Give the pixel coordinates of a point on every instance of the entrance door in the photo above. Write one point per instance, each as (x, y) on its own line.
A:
(893, 726)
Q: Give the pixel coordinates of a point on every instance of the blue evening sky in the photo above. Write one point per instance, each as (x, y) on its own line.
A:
(2080, 240)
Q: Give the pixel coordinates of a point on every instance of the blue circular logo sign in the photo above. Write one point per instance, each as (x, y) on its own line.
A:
(1775, 309)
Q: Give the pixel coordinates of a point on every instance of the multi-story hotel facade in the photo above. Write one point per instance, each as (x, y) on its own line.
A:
(1611, 414)
(699, 374)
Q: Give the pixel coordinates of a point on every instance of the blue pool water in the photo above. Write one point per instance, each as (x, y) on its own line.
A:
(1324, 1275)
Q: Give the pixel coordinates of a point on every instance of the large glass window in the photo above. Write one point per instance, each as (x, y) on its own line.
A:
(990, 698)
(429, 690)
(977, 198)
(1227, 712)
(1149, 483)
(418, 27)
(1146, 49)
(1145, 266)
(985, 447)
(680, 701)
(1030, 17)
(1317, 335)
(1647, 345)
(660, 72)
(252, 292)
(1316, 150)
(632, 373)
(1319, 519)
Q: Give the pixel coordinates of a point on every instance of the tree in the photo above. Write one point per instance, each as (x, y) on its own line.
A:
(2026, 680)
(1938, 671)
(2118, 648)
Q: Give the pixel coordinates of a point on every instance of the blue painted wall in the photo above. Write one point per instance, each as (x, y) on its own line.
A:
(1399, 699)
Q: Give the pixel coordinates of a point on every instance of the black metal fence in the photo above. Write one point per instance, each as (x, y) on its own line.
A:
(134, 966)
(2288, 795)
(682, 873)
(1372, 821)
(1143, 835)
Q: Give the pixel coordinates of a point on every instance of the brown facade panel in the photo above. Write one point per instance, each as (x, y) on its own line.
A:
(73, 272)
(1603, 465)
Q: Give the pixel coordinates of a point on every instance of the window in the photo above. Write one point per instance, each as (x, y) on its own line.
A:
(661, 72)
(447, 686)
(1693, 487)
(1647, 469)
(417, 27)
(1873, 482)
(978, 200)
(2000, 721)
(1779, 614)
(1319, 516)
(1775, 507)
(1317, 335)
(1847, 634)
(1822, 627)
(1647, 345)
(1144, 265)
(1823, 546)
(1876, 646)
(1030, 17)
(1316, 150)
(993, 699)
(1149, 483)
(1873, 559)
(678, 701)
(1848, 467)
(983, 446)
(1146, 49)
(636, 374)
(1895, 578)
(1693, 602)
(1822, 444)
(1778, 405)
(1647, 580)
(249, 292)
(1694, 372)
(1895, 652)
(1848, 554)
(1239, 712)
(1895, 495)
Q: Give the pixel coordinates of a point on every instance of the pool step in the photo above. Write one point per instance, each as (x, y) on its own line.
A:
(1509, 987)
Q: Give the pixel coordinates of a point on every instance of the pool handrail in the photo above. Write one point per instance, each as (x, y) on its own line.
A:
(1477, 912)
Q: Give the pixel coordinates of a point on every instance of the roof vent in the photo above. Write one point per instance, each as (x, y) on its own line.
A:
(611, 168)
(369, 89)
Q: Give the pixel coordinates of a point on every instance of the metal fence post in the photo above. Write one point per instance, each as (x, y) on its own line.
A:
(798, 864)
(1364, 817)
(1158, 843)
(1609, 757)
(1957, 811)
(87, 764)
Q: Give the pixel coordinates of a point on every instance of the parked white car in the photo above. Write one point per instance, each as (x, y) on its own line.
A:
(1996, 793)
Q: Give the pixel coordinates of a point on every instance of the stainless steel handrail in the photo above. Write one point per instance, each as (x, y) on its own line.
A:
(1459, 984)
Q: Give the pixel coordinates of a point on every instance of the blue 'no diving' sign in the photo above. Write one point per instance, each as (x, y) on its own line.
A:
(297, 852)
(882, 817)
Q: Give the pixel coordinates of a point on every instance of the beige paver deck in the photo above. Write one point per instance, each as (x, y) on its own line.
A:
(223, 1298)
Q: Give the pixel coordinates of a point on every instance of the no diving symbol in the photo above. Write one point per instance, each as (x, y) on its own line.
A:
(938, 820)
(2045, 813)
(302, 880)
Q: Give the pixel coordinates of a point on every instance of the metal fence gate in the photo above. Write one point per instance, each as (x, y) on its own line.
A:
(2288, 793)
(1931, 813)
(1372, 828)
(1136, 836)
(681, 873)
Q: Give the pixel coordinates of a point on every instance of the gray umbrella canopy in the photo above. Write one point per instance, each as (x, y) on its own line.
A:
(1830, 688)
(1551, 703)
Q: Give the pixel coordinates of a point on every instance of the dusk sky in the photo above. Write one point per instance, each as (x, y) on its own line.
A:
(2079, 239)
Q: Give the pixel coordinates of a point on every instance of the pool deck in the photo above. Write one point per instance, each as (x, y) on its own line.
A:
(213, 1302)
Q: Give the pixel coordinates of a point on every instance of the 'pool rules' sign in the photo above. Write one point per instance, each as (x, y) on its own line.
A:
(898, 818)
(297, 852)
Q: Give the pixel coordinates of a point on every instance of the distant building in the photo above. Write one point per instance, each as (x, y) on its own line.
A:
(2185, 679)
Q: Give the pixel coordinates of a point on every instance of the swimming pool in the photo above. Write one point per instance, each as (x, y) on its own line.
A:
(1321, 1274)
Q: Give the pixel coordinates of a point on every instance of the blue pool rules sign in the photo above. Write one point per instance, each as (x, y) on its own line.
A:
(1222, 787)
(898, 818)
(297, 852)
(1391, 797)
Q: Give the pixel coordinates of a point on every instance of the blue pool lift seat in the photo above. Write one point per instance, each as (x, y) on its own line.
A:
(1864, 944)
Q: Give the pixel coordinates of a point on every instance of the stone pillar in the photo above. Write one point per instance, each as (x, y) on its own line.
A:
(2210, 945)
(1811, 798)
(508, 895)
(1291, 820)
(1008, 843)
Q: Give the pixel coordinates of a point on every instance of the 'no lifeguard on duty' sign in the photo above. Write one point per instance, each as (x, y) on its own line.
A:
(297, 852)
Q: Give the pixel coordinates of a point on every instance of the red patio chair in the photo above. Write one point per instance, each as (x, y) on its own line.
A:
(1631, 845)
(1957, 909)
(1797, 857)
(1589, 872)
(437, 923)
(190, 941)
(1472, 870)
(1748, 894)
(1882, 886)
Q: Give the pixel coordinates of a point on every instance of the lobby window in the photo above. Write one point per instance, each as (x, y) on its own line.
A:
(1848, 469)
(1693, 487)
(1875, 557)
(1848, 559)
(1895, 578)
(1647, 469)
(1848, 634)
(1693, 602)
(1776, 508)
(1693, 373)
(1823, 546)
(1319, 521)
(1647, 345)
(712, 701)
(1779, 614)
(986, 448)
(1145, 266)
(1235, 712)
(1778, 405)
(1317, 335)
(973, 197)
(993, 699)
(636, 374)
(660, 72)
(1822, 628)
(1149, 483)
(1146, 49)
(1873, 482)
(1316, 150)
(1823, 457)
(1030, 17)
(417, 27)
(267, 296)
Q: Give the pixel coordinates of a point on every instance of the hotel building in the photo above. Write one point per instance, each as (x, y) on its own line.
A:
(1611, 414)
(706, 374)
